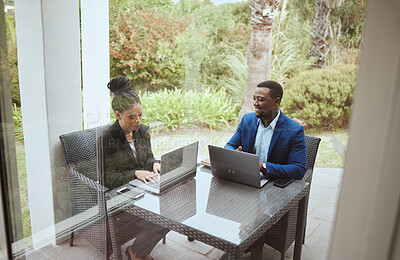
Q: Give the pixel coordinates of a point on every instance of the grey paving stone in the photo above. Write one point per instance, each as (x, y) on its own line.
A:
(81, 250)
(326, 194)
(312, 225)
(314, 250)
(195, 245)
(192, 255)
(215, 253)
(168, 251)
(34, 255)
(323, 232)
(313, 204)
(330, 171)
(325, 211)
(326, 180)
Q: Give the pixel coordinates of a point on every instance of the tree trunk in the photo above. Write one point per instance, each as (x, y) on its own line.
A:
(319, 48)
(259, 56)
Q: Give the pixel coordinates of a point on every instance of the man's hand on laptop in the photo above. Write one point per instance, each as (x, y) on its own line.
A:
(262, 169)
(239, 149)
(146, 176)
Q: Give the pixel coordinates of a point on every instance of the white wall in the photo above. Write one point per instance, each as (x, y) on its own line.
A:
(95, 62)
(48, 41)
(368, 209)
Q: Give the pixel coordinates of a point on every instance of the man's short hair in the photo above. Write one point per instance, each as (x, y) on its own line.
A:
(275, 89)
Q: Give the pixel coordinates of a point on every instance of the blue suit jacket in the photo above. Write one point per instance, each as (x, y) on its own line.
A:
(287, 156)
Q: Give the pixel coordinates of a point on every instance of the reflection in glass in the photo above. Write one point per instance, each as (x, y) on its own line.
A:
(8, 162)
(238, 203)
(177, 203)
(86, 190)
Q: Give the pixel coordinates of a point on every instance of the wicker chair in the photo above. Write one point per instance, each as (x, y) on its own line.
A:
(88, 196)
(282, 234)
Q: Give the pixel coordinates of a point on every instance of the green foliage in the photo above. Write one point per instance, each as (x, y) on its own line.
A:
(291, 42)
(134, 40)
(304, 8)
(351, 16)
(175, 44)
(17, 118)
(241, 12)
(141, 4)
(346, 28)
(177, 108)
(12, 57)
(235, 78)
(321, 98)
(346, 32)
(10, 24)
(23, 190)
(14, 81)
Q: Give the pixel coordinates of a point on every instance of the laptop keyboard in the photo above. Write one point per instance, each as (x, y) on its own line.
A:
(206, 169)
(153, 185)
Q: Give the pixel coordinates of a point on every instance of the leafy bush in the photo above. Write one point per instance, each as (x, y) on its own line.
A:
(241, 12)
(351, 16)
(17, 118)
(177, 44)
(12, 57)
(234, 80)
(14, 81)
(135, 38)
(321, 98)
(176, 108)
(291, 42)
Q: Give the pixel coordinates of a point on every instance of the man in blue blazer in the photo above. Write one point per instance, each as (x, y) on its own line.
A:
(276, 139)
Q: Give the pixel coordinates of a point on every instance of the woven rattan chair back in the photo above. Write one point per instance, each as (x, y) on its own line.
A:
(107, 231)
(86, 194)
(312, 144)
(281, 235)
(80, 148)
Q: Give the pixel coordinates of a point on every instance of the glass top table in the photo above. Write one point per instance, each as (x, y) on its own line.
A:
(224, 214)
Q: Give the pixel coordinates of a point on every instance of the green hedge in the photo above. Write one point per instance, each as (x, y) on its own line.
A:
(177, 108)
(321, 98)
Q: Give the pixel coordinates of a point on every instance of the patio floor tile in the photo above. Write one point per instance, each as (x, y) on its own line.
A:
(168, 251)
(326, 211)
(312, 225)
(195, 245)
(215, 253)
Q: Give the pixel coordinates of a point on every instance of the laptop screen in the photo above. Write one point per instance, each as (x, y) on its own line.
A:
(176, 166)
(171, 161)
(178, 162)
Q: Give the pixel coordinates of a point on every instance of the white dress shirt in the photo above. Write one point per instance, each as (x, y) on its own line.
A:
(263, 138)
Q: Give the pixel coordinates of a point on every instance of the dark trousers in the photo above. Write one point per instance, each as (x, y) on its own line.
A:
(148, 237)
(145, 233)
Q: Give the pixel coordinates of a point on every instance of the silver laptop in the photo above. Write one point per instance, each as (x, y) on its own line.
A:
(236, 166)
(176, 167)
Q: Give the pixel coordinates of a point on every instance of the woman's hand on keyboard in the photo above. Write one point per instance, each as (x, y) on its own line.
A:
(156, 168)
(147, 176)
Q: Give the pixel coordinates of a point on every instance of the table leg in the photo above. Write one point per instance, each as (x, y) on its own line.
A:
(256, 253)
(299, 229)
(226, 256)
